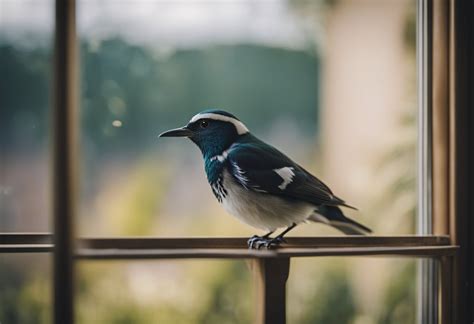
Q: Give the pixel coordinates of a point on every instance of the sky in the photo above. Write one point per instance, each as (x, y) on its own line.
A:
(178, 23)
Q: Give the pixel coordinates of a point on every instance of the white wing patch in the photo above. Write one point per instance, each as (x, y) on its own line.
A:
(239, 174)
(239, 126)
(287, 175)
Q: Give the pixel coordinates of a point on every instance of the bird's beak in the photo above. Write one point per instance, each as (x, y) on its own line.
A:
(177, 132)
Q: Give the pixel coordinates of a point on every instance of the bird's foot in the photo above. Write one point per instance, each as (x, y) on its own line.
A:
(254, 241)
(258, 242)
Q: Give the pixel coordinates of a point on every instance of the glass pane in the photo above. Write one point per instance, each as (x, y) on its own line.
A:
(352, 290)
(330, 83)
(25, 65)
(164, 292)
(25, 288)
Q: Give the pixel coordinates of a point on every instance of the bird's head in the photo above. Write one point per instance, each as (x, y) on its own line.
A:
(212, 130)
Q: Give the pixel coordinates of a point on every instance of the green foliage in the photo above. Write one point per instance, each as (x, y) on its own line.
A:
(130, 206)
(25, 90)
(149, 90)
(223, 307)
(399, 303)
(203, 292)
(24, 296)
(332, 302)
(409, 34)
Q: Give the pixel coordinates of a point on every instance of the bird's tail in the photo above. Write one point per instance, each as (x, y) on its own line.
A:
(333, 216)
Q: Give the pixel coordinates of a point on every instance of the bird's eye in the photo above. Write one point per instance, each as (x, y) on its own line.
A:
(204, 123)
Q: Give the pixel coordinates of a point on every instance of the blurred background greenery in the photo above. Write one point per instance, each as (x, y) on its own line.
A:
(332, 83)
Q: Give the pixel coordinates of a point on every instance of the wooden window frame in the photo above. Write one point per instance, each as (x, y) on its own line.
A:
(447, 74)
(456, 171)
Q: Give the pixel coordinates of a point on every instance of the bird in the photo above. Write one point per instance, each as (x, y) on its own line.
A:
(260, 185)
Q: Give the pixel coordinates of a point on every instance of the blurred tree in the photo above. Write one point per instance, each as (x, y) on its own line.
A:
(24, 99)
(230, 285)
(332, 301)
(24, 295)
(399, 304)
(147, 91)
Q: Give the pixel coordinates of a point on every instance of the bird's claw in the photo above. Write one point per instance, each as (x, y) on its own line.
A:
(254, 241)
(257, 242)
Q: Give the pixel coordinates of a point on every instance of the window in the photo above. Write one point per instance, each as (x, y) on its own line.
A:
(442, 192)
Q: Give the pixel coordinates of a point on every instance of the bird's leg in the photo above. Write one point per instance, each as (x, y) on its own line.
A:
(268, 234)
(257, 241)
(279, 239)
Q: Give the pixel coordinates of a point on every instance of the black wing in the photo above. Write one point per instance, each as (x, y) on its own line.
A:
(261, 167)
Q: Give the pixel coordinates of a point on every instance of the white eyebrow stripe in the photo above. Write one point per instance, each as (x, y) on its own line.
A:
(286, 174)
(239, 126)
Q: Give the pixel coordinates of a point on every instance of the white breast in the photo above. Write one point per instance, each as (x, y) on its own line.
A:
(262, 210)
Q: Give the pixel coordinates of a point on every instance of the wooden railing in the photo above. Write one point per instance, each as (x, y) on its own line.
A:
(271, 268)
